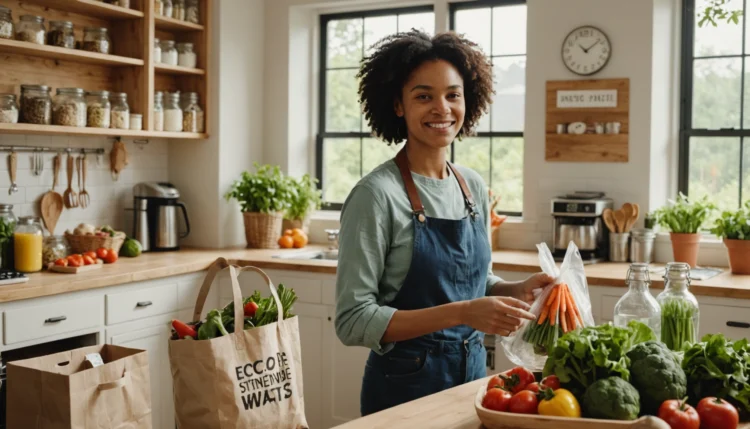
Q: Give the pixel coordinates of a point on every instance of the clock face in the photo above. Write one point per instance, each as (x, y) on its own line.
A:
(586, 50)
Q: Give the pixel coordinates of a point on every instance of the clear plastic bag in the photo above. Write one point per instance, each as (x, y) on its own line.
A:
(530, 344)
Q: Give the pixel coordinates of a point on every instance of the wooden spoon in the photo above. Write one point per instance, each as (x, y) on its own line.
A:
(621, 220)
(609, 220)
(627, 210)
(52, 202)
(636, 214)
(70, 197)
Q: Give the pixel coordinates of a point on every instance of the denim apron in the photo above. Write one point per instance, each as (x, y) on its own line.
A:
(449, 263)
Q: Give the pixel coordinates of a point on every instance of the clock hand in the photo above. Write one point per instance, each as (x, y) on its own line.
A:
(595, 43)
(585, 51)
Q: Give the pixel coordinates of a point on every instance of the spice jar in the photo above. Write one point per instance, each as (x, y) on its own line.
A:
(31, 29)
(158, 7)
(172, 112)
(158, 111)
(27, 244)
(679, 309)
(178, 9)
(638, 303)
(192, 11)
(168, 53)
(6, 23)
(69, 108)
(120, 111)
(96, 39)
(136, 121)
(36, 104)
(121, 3)
(8, 109)
(54, 247)
(166, 8)
(61, 34)
(98, 109)
(7, 227)
(186, 56)
(157, 51)
(192, 114)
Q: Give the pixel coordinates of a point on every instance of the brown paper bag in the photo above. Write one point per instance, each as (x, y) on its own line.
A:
(58, 392)
(247, 379)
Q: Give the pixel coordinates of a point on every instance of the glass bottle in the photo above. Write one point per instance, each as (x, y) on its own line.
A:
(158, 7)
(680, 313)
(6, 23)
(120, 111)
(186, 56)
(157, 51)
(96, 39)
(61, 34)
(166, 9)
(158, 111)
(69, 108)
(8, 222)
(98, 109)
(36, 104)
(27, 244)
(192, 11)
(8, 109)
(192, 114)
(172, 112)
(31, 29)
(638, 303)
(55, 247)
(168, 53)
(178, 9)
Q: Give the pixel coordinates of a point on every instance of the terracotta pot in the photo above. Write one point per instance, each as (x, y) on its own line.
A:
(304, 225)
(685, 248)
(739, 255)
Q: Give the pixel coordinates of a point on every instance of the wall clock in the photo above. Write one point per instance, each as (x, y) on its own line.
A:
(586, 50)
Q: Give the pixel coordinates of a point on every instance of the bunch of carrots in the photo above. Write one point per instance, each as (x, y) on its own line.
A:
(495, 219)
(559, 315)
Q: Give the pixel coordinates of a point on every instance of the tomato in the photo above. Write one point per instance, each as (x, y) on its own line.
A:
(532, 387)
(551, 381)
(515, 379)
(101, 253)
(75, 262)
(679, 415)
(717, 413)
(62, 262)
(111, 257)
(495, 381)
(523, 402)
(497, 399)
(90, 254)
(88, 260)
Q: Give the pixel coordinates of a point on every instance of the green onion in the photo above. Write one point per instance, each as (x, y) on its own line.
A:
(677, 323)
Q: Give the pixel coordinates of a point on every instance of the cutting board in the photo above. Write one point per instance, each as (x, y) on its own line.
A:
(75, 270)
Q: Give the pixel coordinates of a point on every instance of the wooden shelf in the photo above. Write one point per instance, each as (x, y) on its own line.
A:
(178, 70)
(92, 8)
(587, 147)
(34, 129)
(171, 24)
(77, 55)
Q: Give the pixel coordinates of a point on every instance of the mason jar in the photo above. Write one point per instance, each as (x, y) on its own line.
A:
(136, 121)
(158, 7)
(69, 108)
(27, 244)
(192, 114)
(168, 53)
(6, 23)
(186, 56)
(680, 312)
(157, 51)
(178, 9)
(158, 111)
(120, 111)
(98, 109)
(8, 109)
(31, 29)
(8, 222)
(61, 34)
(54, 247)
(172, 112)
(192, 11)
(166, 9)
(121, 3)
(96, 39)
(36, 104)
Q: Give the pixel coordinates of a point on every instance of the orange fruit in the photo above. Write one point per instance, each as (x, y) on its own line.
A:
(287, 232)
(286, 242)
(298, 231)
(300, 240)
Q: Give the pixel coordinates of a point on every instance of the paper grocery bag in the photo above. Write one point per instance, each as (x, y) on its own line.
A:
(59, 391)
(247, 379)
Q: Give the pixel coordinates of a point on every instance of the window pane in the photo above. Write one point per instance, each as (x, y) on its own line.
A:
(377, 28)
(507, 173)
(476, 26)
(714, 170)
(509, 30)
(342, 105)
(340, 168)
(376, 152)
(344, 43)
(474, 152)
(746, 172)
(510, 93)
(746, 98)
(716, 93)
(723, 39)
(420, 21)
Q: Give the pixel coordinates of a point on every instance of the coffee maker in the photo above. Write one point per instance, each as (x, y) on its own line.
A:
(155, 216)
(577, 217)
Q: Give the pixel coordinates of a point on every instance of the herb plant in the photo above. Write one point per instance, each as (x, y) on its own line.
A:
(683, 215)
(734, 225)
(266, 191)
(717, 10)
(677, 323)
(305, 197)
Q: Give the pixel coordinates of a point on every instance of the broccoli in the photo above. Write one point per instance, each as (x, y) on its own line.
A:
(611, 398)
(213, 327)
(656, 373)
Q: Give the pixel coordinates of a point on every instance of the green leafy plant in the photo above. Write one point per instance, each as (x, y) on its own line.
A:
(266, 191)
(683, 215)
(305, 197)
(734, 225)
(716, 11)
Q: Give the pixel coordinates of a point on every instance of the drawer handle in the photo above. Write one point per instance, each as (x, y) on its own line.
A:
(734, 324)
(55, 319)
(144, 304)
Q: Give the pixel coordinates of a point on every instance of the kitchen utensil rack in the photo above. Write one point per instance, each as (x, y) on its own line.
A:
(9, 148)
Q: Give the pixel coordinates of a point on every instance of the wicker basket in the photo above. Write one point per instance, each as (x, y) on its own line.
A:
(262, 230)
(88, 243)
(304, 225)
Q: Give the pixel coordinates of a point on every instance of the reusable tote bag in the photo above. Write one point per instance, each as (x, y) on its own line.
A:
(248, 379)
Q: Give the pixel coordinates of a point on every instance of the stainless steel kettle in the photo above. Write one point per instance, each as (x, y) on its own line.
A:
(155, 223)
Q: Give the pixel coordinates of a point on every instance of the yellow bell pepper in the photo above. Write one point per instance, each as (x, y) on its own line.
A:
(560, 403)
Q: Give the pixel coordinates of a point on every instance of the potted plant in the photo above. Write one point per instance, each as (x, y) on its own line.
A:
(734, 228)
(263, 197)
(305, 198)
(684, 218)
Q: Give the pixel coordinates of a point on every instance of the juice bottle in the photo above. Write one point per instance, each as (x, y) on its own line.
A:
(27, 243)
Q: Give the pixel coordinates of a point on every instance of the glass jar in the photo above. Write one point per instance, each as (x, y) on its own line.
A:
(192, 11)
(54, 247)
(31, 29)
(98, 109)
(638, 303)
(8, 109)
(96, 39)
(36, 104)
(166, 9)
(192, 114)
(61, 34)
(172, 112)
(121, 3)
(27, 244)
(6, 23)
(178, 9)
(136, 121)
(158, 7)
(680, 314)
(186, 56)
(69, 108)
(157, 51)
(158, 111)
(168, 53)
(120, 111)
(7, 226)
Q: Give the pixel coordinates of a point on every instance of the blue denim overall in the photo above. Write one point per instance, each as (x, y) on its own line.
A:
(449, 263)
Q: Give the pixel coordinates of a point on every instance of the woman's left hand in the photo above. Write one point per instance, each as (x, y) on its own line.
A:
(525, 289)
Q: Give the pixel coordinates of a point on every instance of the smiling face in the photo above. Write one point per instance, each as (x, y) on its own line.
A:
(432, 103)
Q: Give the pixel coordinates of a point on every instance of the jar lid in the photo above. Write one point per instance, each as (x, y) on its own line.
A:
(185, 45)
(158, 94)
(35, 87)
(10, 97)
(98, 93)
(61, 24)
(76, 91)
(4, 9)
(169, 43)
(677, 271)
(122, 95)
(31, 18)
(95, 29)
(28, 220)
(6, 207)
(136, 116)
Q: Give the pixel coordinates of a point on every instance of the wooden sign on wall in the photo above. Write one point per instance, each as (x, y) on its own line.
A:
(587, 120)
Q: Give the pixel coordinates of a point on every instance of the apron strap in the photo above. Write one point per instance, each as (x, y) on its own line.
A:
(464, 189)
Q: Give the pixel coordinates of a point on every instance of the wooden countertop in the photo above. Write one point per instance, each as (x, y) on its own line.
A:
(157, 265)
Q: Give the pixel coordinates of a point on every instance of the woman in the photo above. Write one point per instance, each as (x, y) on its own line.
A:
(414, 279)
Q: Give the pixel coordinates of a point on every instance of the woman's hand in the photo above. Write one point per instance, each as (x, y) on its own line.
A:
(496, 315)
(524, 290)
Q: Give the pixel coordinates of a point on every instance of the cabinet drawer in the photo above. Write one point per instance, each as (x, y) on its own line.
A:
(137, 304)
(187, 291)
(308, 290)
(733, 322)
(29, 323)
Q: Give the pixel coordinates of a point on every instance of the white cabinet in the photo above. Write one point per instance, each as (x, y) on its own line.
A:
(312, 325)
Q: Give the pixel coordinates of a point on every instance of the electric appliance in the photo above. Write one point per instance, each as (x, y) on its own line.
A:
(155, 221)
(577, 217)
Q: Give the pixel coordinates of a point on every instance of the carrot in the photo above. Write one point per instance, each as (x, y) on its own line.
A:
(555, 309)
(564, 299)
(563, 322)
(572, 303)
(552, 296)
(572, 320)
(543, 316)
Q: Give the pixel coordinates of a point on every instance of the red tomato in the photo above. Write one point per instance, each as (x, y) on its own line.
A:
(495, 381)
(717, 413)
(551, 381)
(74, 262)
(62, 262)
(88, 260)
(496, 399)
(532, 387)
(523, 402)
(101, 253)
(679, 415)
(111, 257)
(90, 254)
(520, 377)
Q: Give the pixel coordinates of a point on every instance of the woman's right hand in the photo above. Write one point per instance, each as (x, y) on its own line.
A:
(496, 315)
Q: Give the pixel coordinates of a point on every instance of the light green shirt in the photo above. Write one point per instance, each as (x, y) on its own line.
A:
(375, 245)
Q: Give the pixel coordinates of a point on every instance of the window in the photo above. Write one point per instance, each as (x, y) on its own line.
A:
(499, 28)
(715, 108)
(346, 151)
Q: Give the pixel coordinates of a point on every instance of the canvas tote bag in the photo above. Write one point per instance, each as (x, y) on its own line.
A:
(247, 379)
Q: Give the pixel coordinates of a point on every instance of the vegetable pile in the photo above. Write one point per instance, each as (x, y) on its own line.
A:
(559, 315)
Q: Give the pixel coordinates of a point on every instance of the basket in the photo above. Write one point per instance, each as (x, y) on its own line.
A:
(262, 230)
(304, 225)
(89, 243)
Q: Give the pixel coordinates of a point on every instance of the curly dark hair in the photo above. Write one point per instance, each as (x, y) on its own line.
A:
(384, 73)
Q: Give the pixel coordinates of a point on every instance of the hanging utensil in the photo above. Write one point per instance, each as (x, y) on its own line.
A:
(84, 197)
(70, 197)
(12, 165)
(52, 202)
(118, 159)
